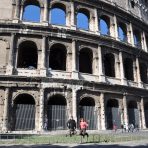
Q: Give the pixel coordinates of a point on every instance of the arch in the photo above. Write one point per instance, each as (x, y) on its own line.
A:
(27, 55)
(109, 65)
(112, 113)
(56, 113)
(133, 113)
(58, 10)
(57, 57)
(146, 113)
(137, 38)
(122, 32)
(85, 60)
(83, 17)
(128, 69)
(104, 25)
(87, 111)
(31, 11)
(143, 72)
(23, 114)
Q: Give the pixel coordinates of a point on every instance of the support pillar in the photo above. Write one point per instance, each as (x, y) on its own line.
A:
(6, 109)
(74, 103)
(143, 126)
(17, 12)
(9, 70)
(73, 25)
(131, 35)
(41, 110)
(103, 124)
(125, 109)
(46, 13)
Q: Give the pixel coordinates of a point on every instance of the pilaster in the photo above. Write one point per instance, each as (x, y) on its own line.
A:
(125, 109)
(143, 125)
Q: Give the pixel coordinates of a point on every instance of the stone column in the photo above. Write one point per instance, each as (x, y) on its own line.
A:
(43, 57)
(123, 81)
(46, 12)
(125, 109)
(115, 28)
(101, 73)
(41, 109)
(6, 109)
(73, 25)
(11, 53)
(17, 12)
(131, 35)
(144, 42)
(74, 61)
(96, 22)
(103, 124)
(143, 114)
(74, 103)
(138, 73)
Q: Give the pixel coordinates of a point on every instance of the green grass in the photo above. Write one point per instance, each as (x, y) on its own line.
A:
(48, 139)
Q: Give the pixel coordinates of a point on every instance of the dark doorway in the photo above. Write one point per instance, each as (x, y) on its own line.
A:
(146, 113)
(57, 113)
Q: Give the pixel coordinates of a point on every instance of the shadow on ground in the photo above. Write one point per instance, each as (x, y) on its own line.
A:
(76, 146)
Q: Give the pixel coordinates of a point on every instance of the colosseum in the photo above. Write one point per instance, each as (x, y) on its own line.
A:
(50, 71)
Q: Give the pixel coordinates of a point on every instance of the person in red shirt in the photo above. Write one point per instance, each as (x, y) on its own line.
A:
(83, 127)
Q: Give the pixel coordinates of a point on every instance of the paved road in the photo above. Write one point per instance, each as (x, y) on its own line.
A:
(133, 144)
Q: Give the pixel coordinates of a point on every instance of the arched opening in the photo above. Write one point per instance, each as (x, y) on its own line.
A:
(85, 61)
(23, 114)
(58, 14)
(109, 65)
(133, 113)
(146, 113)
(83, 19)
(104, 25)
(146, 42)
(27, 55)
(57, 57)
(122, 32)
(31, 11)
(113, 114)
(56, 113)
(137, 38)
(128, 69)
(143, 72)
(88, 112)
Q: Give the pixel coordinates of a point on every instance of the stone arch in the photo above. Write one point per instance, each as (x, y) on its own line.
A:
(24, 2)
(122, 31)
(56, 112)
(112, 113)
(86, 60)
(137, 38)
(57, 57)
(23, 112)
(104, 24)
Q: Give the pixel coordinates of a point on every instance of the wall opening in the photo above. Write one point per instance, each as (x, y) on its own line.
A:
(85, 61)
(27, 55)
(57, 57)
(137, 38)
(146, 113)
(128, 69)
(83, 19)
(122, 32)
(143, 72)
(23, 114)
(104, 25)
(109, 65)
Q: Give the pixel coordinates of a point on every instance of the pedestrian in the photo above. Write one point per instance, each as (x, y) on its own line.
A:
(83, 127)
(122, 127)
(71, 124)
(115, 127)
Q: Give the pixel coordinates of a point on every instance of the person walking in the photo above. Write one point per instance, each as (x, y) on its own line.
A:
(71, 124)
(83, 127)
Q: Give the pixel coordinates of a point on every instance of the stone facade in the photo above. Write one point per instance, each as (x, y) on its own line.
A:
(98, 71)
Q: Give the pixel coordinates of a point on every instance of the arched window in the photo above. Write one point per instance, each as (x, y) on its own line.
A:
(58, 14)
(143, 72)
(83, 19)
(27, 55)
(104, 25)
(137, 38)
(128, 69)
(85, 61)
(122, 32)
(109, 65)
(31, 11)
(57, 57)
